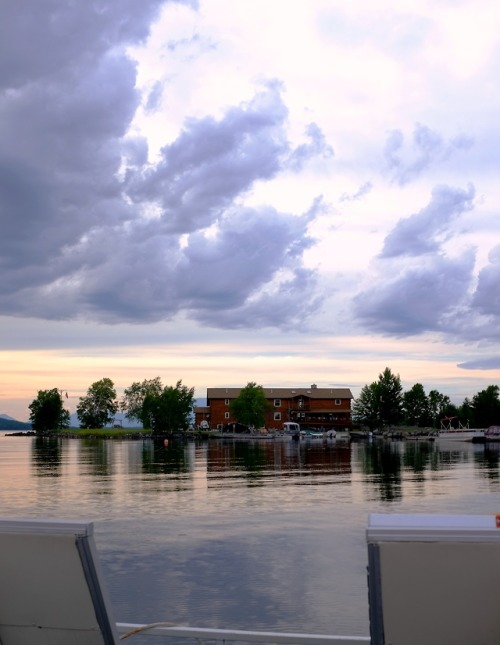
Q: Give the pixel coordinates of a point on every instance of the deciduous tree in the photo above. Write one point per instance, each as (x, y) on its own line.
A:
(47, 412)
(98, 408)
(132, 402)
(250, 406)
(169, 410)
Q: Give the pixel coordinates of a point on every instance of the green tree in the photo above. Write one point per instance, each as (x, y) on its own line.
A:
(380, 403)
(486, 407)
(365, 407)
(250, 406)
(390, 394)
(169, 410)
(466, 413)
(132, 402)
(98, 408)
(47, 412)
(416, 406)
(436, 402)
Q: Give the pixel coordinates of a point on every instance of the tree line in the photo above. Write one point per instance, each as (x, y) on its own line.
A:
(383, 403)
(161, 409)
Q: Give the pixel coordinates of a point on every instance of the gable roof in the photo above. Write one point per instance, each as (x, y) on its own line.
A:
(284, 392)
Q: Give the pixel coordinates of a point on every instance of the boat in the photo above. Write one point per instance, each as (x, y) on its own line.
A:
(360, 435)
(318, 434)
(492, 434)
(461, 433)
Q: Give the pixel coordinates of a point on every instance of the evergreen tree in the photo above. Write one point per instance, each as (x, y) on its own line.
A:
(486, 406)
(416, 406)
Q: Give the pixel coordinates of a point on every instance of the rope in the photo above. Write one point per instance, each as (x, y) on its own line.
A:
(144, 628)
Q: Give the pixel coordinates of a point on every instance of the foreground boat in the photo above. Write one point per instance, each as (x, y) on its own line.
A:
(53, 591)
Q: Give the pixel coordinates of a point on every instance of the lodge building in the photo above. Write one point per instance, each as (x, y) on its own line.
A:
(313, 407)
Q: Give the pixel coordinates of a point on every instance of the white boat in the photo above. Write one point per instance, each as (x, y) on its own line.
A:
(461, 433)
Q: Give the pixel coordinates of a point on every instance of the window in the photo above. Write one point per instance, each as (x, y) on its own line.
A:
(277, 403)
(226, 401)
(226, 415)
(277, 416)
(338, 402)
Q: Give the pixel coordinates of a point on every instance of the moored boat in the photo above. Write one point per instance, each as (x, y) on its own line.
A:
(492, 434)
(461, 434)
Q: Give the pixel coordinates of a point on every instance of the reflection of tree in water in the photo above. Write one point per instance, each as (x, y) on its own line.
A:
(96, 453)
(382, 460)
(164, 457)
(488, 460)
(419, 455)
(46, 456)
(251, 458)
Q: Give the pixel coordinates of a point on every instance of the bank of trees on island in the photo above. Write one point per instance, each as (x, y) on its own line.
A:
(161, 409)
(383, 403)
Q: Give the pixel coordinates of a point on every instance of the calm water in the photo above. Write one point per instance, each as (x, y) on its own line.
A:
(257, 535)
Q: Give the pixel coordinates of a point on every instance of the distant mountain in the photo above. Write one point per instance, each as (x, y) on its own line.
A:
(120, 420)
(8, 423)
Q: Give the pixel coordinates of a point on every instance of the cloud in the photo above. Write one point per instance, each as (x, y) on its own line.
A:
(427, 149)
(212, 162)
(486, 363)
(363, 190)
(426, 230)
(414, 286)
(317, 146)
(91, 230)
(486, 298)
(417, 298)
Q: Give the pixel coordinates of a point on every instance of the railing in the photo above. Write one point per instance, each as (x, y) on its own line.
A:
(203, 634)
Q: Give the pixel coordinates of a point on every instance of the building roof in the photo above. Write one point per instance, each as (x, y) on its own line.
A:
(284, 392)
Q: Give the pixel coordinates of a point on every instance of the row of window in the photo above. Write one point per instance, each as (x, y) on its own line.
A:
(277, 403)
(277, 417)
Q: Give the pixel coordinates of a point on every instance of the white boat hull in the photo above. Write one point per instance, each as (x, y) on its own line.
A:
(460, 435)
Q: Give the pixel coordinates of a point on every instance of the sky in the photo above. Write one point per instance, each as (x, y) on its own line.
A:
(225, 191)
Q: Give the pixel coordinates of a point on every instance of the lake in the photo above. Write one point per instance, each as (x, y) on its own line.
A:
(248, 535)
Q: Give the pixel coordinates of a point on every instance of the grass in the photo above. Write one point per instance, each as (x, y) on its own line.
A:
(104, 433)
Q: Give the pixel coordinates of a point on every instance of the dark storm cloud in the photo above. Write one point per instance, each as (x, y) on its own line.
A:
(427, 149)
(426, 230)
(89, 229)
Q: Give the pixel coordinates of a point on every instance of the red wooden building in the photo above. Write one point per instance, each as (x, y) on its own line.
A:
(323, 408)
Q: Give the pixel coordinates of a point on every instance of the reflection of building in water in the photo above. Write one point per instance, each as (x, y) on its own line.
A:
(319, 407)
(297, 457)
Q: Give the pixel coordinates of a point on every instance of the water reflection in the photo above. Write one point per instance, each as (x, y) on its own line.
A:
(387, 467)
(46, 457)
(166, 458)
